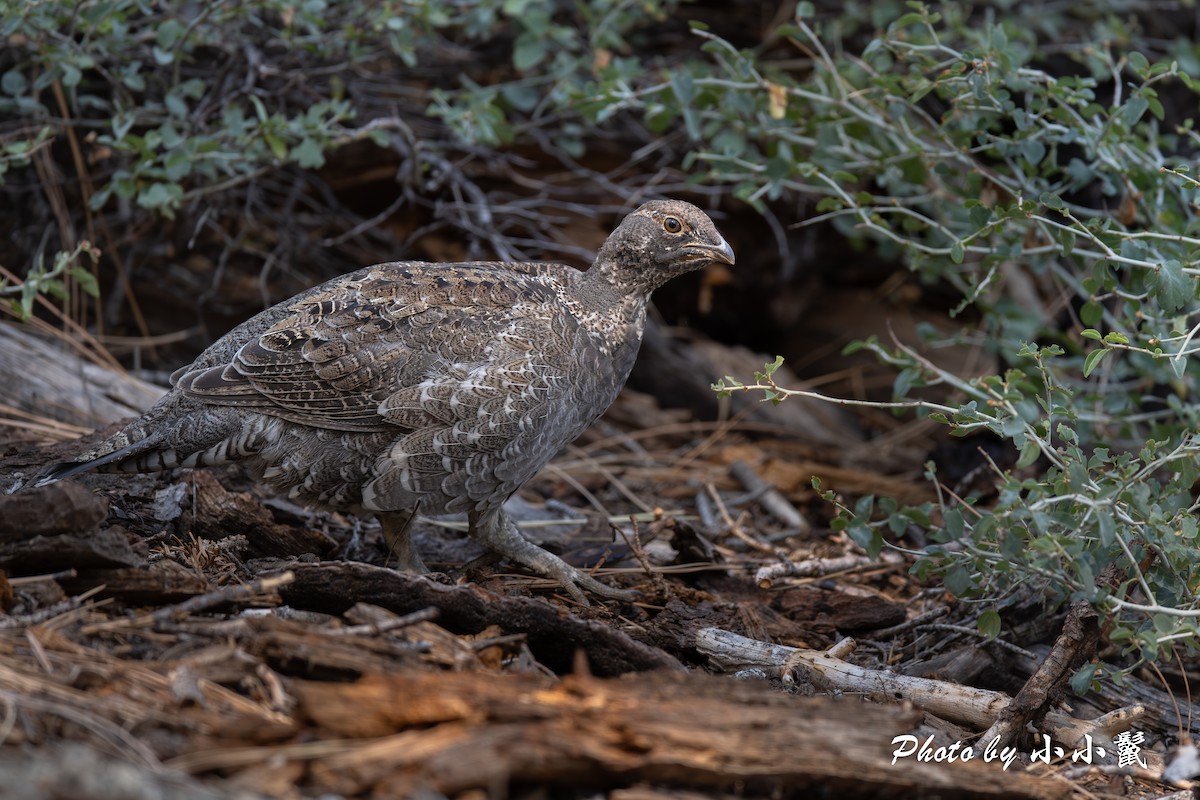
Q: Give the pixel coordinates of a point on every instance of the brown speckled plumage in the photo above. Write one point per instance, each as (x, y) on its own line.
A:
(413, 386)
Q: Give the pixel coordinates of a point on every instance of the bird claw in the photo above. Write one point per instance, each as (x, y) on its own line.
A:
(574, 581)
(500, 535)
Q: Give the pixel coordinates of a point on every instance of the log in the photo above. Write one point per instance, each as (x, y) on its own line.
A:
(219, 513)
(681, 373)
(71, 769)
(452, 733)
(63, 507)
(40, 377)
(161, 582)
(554, 635)
(106, 548)
(966, 705)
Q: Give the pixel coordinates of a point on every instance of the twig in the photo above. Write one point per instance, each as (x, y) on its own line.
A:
(223, 596)
(25, 580)
(815, 567)
(975, 633)
(53, 613)
(639, 552)
(732, 525)
(770, 497)
(384, 626)
(915, 622)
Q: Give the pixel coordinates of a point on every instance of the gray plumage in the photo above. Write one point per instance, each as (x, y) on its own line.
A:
(413, 386)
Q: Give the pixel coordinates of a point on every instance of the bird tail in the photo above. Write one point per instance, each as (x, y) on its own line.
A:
(68, 469)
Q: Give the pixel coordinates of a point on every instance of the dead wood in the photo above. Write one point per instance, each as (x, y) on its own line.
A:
(1074, 646)
(222, 685)
(219, 513)
(450, 733)
(680, 374)
(770, 497)
(960, 665)
(52, 382)
(160, 582)
(766, 576)
(63, 507)
(976, 708)
(75, 770)
(553, 633)
(295, 649)
(226, 595)
(104, 548)
(1167, 710)
(837, 610)
(104, 699)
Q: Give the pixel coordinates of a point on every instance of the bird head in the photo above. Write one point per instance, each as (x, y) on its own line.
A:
(658, 241)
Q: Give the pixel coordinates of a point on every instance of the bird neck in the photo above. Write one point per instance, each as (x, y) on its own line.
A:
(604, 306)
(606, 288)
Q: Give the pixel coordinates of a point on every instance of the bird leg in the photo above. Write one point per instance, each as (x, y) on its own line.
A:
(397, 526)
(496, 531)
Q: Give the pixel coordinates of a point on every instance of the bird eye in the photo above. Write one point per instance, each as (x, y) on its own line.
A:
(672, 225)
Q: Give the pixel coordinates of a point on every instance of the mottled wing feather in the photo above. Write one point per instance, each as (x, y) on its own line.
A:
(402, 347)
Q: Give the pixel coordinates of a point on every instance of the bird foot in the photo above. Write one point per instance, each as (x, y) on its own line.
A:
(503, 537)
(397, 533)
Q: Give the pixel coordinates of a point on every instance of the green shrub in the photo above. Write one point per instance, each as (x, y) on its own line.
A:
(948, 143)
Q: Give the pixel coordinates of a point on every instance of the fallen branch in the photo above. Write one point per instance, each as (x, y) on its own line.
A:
(1074, 646)
(816, 567)
(964, 705)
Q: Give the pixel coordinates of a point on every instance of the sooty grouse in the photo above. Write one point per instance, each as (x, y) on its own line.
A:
(411, 386)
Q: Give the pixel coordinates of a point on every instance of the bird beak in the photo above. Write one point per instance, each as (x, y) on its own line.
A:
(721, 251)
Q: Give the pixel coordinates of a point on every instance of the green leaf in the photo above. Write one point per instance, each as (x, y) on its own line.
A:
(1066, 240)
(905, 21)
(867, 538)
(86, 281)
(1051, 201)
(308, 154)
(259, 109)
(1090, 314)
(1175, 288)
(168, 33)
(1107, 526)
(177, 164)
(1029, 453)
(1090, 333)
(959, 581)
(71, 75)
(1132, 111)
(160, 196)
(1093, 359)
(14, 83)
(278, 147)
(176, 104)
(956, 252)
(684, 88)
(528, 51)
(989, 624)
(1081, 681)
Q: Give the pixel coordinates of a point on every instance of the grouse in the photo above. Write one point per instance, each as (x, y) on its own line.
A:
(411, 387)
